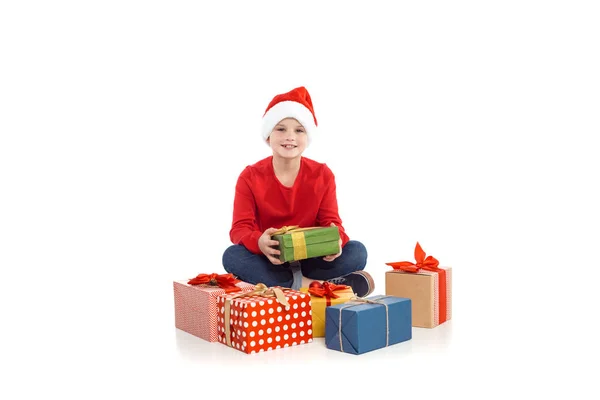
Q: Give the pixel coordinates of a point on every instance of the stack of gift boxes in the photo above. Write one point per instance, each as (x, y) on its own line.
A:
(256, 318)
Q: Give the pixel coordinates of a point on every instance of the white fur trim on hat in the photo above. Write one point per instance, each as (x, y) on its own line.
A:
(288, 109)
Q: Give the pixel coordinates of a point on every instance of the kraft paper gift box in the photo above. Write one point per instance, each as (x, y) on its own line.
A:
(323, 295)
(426, 284)
(366, 324)
(301, 243)
(196, 302)
(264, 319)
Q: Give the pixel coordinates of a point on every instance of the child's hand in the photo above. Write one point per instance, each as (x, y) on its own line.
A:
(265, 245)
(334, 256)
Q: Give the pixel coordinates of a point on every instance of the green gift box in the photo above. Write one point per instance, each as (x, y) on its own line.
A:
(301, 243)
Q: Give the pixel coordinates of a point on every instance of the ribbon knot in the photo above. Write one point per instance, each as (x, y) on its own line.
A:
(285, 229)
(325, 289)
(293, 228)
(260, 289)
(224, 281)
(356, 301)
(428, 263)
(442, 286)
(264, 291)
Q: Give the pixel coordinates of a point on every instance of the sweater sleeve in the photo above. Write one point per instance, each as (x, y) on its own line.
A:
(328, 210)
(244, 229)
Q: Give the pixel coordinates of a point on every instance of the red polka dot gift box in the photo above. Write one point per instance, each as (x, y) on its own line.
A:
(196, 302)
(264, 319)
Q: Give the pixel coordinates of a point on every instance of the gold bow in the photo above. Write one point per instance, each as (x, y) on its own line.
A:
(292, 228)
(259, 290)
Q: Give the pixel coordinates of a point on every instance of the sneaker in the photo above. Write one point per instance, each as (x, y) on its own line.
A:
(361, 282)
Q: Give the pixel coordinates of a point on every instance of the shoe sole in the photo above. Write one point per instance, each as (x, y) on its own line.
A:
(370, 282)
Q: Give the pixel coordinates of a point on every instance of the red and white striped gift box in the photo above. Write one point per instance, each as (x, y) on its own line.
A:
(196, 307)
(260, 323)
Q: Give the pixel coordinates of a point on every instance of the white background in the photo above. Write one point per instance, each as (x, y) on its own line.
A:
(467, 126)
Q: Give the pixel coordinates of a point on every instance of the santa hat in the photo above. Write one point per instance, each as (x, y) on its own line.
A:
(294, 104)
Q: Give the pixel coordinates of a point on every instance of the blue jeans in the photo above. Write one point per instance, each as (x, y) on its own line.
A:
(256, 268)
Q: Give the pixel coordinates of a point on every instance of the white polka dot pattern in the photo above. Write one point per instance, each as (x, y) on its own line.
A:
(196, 308)
(268, 330)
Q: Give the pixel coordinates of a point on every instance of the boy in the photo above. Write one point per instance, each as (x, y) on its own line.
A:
(287, 189)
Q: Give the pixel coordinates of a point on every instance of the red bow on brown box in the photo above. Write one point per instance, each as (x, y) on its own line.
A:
(428, 264)
(224, 281)
(325, 289)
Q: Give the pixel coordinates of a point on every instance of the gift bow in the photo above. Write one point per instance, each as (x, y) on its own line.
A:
(259, 290)
(325, 289)
(224, 281)
(292, 228)
(262, 290)
(428, 264)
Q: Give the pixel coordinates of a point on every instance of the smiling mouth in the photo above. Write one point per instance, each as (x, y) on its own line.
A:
(288, 146)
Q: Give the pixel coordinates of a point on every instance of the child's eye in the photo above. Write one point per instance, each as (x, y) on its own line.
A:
(299, 130)
(280, 129)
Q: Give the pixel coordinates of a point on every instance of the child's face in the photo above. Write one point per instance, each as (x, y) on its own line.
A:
(288, 139)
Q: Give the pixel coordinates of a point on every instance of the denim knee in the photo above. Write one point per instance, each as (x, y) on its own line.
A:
(357, 253)
(230, 255)
(254, 268)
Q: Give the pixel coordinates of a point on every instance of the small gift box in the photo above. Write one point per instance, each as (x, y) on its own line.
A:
(426, 284)
(365, 324)
(196, 302)
(297, 243)
(264, 319)
(323, 295)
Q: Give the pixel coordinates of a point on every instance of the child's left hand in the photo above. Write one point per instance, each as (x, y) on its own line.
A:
(334, 256)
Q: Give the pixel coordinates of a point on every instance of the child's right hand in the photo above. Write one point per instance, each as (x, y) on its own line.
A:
(265, 245)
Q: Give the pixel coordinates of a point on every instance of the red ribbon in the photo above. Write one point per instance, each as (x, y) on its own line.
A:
(428, 263)
(224, 281)
(325, 289)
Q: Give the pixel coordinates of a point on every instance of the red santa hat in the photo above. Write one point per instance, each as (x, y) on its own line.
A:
(294, 104)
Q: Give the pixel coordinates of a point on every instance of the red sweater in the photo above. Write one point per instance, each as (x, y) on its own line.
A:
(262, 202)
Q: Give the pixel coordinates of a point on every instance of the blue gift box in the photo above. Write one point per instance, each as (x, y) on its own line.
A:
(365, 326)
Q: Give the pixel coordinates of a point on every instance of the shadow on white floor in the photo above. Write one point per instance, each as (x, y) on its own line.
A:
(197, 350)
